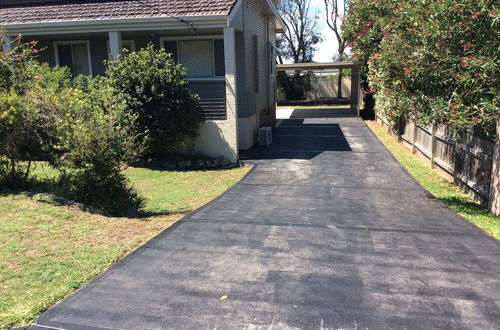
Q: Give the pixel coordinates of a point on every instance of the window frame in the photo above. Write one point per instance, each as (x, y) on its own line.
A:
(212, 38)
(73, 42)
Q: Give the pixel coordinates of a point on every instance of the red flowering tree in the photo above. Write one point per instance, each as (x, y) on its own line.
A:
(431, 61)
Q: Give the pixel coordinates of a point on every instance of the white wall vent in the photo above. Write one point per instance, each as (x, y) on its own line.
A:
(265, 136)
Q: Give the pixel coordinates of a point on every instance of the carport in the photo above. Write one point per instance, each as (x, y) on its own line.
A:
(356, 94)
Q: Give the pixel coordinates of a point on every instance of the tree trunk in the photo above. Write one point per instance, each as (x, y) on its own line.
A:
(339, 91)
(495, 176)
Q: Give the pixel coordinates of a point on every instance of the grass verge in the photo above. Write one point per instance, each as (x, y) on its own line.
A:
(438, 185)
(47, 251)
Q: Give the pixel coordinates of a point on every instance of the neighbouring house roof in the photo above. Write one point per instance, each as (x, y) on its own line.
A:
(44, 11)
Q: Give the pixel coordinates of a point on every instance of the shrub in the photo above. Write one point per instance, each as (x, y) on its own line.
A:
(96, 138)
(28, 112)
(78, 126)
(154, 89)
(431, 61)
(294, 86)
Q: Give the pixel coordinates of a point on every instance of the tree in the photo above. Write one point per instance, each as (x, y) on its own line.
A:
(334, 21)
(302, 32)
(154, 89)
(431, 61)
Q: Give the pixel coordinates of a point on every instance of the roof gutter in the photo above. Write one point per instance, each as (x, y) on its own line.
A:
(280, 25)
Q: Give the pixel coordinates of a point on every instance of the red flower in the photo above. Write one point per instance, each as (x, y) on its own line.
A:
(369, 91)
(369, 24)
(476, 75)
(468, 45)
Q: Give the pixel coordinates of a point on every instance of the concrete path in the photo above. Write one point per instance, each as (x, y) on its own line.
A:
(327, 232)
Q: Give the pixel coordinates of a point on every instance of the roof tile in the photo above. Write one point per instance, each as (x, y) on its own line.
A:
(39, 11)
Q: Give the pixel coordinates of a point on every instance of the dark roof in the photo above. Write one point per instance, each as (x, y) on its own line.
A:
(38, 11)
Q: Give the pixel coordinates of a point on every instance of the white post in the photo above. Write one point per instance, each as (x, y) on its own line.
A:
(115, 44)
(231, 96)
(7, 43)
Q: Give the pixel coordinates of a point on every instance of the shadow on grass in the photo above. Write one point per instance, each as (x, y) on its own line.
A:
(465, 206)
(114, 200)
(49, 197)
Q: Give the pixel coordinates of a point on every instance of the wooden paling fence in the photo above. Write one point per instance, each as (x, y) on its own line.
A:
(467, 157)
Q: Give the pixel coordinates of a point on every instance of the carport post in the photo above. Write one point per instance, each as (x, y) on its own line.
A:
(355, 95)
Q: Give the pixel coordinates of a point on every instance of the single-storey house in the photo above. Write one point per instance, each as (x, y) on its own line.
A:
(226, 46)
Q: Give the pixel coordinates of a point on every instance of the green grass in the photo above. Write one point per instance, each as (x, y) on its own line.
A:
(47, 251)
(438, 185)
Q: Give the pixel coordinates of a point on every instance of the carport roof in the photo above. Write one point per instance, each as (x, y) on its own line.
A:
(312, 66)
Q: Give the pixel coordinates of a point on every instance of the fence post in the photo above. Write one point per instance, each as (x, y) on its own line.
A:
(433, 145)
(494, 204)
(414, 138)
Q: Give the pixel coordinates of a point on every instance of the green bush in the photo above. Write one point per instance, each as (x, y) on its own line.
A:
(432, 61)
(79, 126)
(294, 86)
(28, 112)
(154, 89)
(96, 138)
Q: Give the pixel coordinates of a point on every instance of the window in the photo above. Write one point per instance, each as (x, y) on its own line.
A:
(219, 60)
(129, 45)
(202, 58)
(197, 57)
(171, 47)
(75, 55)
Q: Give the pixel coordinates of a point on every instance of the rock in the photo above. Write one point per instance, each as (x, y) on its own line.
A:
(223, 161)
(184, 164)
(201, 164)
(169, 164)
(213, 163)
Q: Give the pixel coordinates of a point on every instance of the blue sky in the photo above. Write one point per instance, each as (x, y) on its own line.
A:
(328, 48)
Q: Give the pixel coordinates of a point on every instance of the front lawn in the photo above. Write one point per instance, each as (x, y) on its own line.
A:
(47, 250)
(438, 185)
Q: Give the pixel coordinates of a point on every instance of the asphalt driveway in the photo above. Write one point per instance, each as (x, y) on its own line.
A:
(327, 232)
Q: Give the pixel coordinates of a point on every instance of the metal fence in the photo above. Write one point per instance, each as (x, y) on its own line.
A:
(466, 157)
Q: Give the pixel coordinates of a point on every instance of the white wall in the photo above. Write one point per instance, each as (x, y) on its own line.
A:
(220, 138)
(247, 134)
(217, 138)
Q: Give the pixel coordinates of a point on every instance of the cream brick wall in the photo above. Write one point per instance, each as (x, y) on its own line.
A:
(220, 138)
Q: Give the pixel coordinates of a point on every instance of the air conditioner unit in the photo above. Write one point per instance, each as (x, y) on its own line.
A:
(265, 136)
